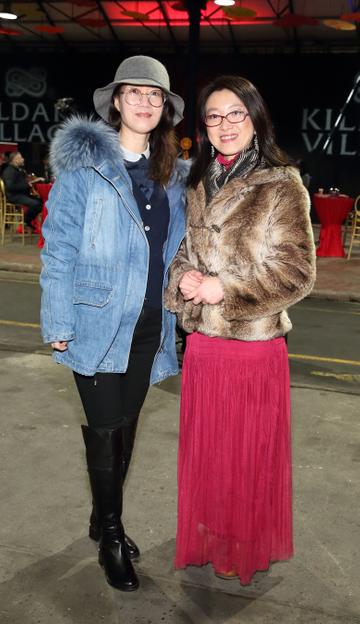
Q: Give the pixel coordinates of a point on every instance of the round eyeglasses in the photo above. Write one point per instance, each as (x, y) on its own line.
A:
(134, 97)
(236, 116)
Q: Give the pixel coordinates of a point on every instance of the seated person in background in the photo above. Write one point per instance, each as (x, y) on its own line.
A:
(18, 188)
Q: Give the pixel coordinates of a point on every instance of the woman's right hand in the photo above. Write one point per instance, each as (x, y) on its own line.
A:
(190, 282)
(61, 345)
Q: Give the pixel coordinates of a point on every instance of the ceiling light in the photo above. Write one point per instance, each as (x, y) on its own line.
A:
(224, 2)
(7, 13)
(338, 24)
(9, 16)
(239, 12)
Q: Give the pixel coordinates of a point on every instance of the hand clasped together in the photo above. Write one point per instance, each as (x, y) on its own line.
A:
(201, 288)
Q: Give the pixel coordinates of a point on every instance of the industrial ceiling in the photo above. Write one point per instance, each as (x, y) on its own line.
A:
(162, 26)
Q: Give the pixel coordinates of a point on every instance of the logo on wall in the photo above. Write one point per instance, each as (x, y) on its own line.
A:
(19, 81)
(24, 120)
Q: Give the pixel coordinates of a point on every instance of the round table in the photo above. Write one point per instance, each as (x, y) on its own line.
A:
(43, 188)
(332, 210)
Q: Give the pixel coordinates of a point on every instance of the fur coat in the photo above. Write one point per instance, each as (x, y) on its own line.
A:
(256, 236)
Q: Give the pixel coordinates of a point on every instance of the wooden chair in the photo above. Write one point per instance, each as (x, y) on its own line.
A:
(348, 225)
(2, 206)
(355, 228)
(12, 216)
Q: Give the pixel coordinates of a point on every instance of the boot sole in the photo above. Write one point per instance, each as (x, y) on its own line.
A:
(118, 587)
(123, 589)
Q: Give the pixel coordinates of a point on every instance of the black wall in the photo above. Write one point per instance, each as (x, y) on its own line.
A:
(304, 93)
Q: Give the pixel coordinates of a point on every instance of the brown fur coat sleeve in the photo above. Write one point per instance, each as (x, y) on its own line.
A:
(284, 268)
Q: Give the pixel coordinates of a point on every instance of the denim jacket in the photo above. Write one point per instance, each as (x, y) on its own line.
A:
(96, 254)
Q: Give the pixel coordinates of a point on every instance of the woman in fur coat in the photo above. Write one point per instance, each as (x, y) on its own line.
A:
(116, 220)
(248, 255)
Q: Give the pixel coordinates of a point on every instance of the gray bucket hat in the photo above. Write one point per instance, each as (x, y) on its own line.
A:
(138, 70)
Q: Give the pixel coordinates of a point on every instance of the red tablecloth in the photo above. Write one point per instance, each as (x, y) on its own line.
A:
(43, 188)
(332, 211)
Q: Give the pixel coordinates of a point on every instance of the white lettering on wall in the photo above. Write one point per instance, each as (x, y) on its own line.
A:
(308, 119)
(344, 146)
(3, 117)
(311, 146)
(36, 133)
(40, 112)
(18, 137)
(23, 123)
(3, 135)
(50, 133)
(20, 111)
(317, 123)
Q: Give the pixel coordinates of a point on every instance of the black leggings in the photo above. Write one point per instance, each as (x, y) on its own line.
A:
(113, 400)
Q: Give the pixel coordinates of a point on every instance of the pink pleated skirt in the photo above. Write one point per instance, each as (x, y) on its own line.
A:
(234, 462)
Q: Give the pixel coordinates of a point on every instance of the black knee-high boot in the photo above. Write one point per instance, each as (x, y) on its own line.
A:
(128, 439)
(104, 454)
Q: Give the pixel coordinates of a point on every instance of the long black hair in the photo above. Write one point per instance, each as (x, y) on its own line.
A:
(269, 151)
(163, 140)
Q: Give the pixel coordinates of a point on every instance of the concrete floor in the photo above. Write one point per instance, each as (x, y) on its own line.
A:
(48, 568)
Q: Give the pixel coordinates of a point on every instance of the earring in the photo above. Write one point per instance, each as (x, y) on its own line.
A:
(212, 151)
(256, 142)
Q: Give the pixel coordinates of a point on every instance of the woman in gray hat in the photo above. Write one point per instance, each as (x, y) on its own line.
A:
(116, 219)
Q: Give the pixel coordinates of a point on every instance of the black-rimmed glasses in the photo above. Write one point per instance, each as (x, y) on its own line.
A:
(234, 117)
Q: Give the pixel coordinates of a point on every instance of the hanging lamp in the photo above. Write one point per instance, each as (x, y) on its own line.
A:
(225, 3)
(338, 24)
(239, 12)
(6, 12)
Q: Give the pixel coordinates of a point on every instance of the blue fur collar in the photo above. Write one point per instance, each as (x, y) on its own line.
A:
(83, 142)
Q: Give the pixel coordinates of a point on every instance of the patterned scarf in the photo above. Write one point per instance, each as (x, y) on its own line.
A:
(217, 174)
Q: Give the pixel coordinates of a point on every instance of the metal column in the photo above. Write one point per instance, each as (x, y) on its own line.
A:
(194, 8)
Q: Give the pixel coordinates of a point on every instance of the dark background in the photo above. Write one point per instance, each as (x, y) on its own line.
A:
(288, 83)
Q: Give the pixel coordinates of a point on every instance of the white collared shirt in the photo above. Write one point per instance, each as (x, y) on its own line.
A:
(134, 156)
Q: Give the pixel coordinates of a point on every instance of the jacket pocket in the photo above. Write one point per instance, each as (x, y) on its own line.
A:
(91, 294)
